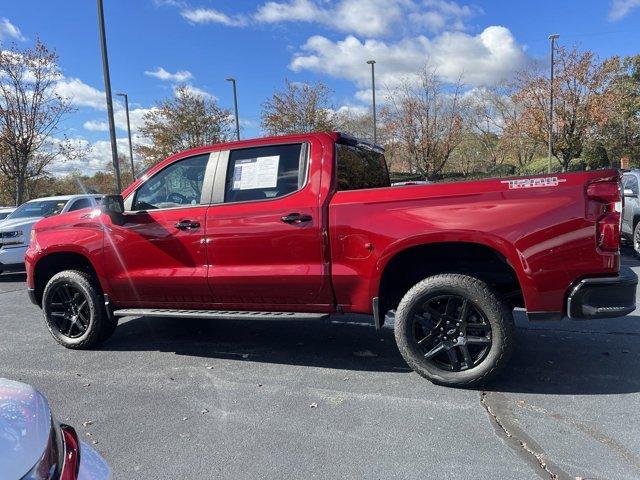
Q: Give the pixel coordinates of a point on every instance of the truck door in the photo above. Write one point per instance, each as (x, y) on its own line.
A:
(157, 257)
(264, 236)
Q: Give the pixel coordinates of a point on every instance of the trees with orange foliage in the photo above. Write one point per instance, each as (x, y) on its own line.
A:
(582, 98)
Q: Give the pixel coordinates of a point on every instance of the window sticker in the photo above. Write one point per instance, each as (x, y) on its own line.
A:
(251, 173)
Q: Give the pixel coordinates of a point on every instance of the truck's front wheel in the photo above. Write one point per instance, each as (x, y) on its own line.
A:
(74, 311)
(453, 330)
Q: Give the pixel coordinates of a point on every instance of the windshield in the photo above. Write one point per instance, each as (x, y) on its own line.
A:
(42, 208)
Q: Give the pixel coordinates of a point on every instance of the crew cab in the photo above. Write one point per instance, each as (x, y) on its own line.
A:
(310, 225)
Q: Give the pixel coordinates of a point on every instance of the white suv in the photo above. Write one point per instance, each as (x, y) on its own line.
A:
(15, 229)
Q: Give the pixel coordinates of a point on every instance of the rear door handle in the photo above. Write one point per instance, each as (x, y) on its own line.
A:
(296, 218)
(187, 225)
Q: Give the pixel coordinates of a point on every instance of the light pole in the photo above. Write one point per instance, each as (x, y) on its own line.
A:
(107, 89)
(553, 39)
(235, 105)
(373, 94)
(126, 108)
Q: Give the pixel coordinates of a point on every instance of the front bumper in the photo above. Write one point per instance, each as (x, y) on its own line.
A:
(603, 297)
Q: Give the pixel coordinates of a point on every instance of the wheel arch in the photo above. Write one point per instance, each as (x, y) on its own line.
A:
(54, 262)
(407, 262)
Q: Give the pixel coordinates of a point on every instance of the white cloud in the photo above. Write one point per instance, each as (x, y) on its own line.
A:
(620, 8)
(120, 117)
(98, 157)
(369, 18)
(9, 30)
(80, 94)
(294, 10)
(481, 59)
(96, 126)
(209, 15)
(162, 74)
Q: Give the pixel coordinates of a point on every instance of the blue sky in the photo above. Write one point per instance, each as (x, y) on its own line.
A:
(157, 44)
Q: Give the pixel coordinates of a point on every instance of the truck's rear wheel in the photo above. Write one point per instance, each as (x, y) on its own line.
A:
(74, 311)
(453, 330)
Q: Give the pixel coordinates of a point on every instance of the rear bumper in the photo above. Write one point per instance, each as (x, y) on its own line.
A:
(603, 297)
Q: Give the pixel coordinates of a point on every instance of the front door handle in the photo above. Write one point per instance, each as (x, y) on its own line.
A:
(186, 225)
(296, 218)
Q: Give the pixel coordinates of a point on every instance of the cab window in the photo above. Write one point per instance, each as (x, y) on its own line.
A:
(262, 173)
(177, 185)
(360, 166)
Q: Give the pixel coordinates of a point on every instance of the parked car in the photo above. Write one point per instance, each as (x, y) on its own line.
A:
(34, 446)
(631, 211)
(15, 230)
(4, 211)
(309, 225)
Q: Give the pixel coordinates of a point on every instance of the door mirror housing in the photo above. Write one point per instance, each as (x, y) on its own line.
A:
(112, 204)
(629, 193)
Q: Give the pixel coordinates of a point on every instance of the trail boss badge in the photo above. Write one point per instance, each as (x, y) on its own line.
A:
(534, 182)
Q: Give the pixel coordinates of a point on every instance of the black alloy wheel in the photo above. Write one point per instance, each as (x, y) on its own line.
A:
(452, 332)
(69, 310)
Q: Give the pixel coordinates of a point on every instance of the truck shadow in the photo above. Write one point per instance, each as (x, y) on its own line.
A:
(333, 343)
(563, 359)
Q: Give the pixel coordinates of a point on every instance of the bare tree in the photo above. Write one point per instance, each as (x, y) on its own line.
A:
(427, 120)
(299, 108)
(497, 115)
(30, 114)
(187, 121)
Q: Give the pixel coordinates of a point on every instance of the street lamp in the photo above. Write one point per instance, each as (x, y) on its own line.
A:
(107, 89)
(126, 107)
(373, 94)
(553, 39)
(235, 105)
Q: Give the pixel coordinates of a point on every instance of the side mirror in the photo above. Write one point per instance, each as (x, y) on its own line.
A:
(629, 193)
(112, 204)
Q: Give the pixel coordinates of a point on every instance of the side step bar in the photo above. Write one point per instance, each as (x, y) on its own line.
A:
(225, 314)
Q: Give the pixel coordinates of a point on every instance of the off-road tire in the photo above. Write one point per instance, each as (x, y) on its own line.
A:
(496, 312)
(100, 326)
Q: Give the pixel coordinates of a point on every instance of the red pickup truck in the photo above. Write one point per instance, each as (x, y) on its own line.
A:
(309, 225)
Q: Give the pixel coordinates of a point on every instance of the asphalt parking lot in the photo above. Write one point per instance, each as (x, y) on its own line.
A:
(194, 399)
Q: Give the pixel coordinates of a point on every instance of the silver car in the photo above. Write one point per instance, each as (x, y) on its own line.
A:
(33, 446)
(5, 211)
(15, 229)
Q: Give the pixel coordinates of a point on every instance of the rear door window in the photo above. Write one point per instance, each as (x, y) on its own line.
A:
(263, 173)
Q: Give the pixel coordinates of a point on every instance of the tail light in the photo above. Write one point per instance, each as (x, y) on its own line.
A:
(71, 464)
(607, 194)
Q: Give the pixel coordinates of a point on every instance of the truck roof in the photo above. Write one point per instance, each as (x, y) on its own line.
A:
(295, 137)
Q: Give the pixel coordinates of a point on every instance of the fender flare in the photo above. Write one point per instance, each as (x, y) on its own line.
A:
(507, 250)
